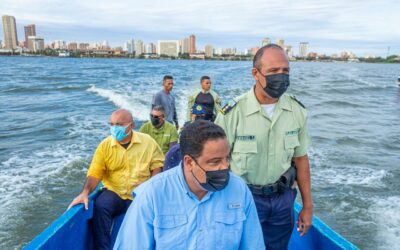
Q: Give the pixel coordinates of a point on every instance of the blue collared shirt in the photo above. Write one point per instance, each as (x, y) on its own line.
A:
(165, 214)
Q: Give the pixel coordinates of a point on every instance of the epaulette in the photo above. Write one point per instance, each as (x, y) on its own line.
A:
(228, 107)
(294, 98)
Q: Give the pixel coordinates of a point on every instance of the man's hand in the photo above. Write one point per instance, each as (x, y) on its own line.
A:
(81, 198)
(304, 221)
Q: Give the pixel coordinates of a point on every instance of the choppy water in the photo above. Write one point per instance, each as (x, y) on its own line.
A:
(54, 112)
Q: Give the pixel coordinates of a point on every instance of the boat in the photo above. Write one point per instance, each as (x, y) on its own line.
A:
(63, 54)
(72, 231)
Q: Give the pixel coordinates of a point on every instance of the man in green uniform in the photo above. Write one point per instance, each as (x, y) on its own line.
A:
(163, 132)
(267, 131)
(205, 97)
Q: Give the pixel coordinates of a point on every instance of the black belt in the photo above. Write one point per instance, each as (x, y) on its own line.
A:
(265, 190)
(284, 183)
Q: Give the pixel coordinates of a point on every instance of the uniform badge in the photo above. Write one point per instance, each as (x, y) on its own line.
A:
(228, 107)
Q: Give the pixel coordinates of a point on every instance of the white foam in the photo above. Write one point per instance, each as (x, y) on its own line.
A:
(23, 177)
(137, 103)
(327, 175)
(385, 213)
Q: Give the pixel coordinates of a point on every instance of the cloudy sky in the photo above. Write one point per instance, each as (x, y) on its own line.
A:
(361, 26)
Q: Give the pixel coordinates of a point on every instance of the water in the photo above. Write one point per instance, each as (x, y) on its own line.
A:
(54, 112)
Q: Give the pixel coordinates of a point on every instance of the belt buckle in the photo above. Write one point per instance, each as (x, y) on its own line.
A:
(267, 190)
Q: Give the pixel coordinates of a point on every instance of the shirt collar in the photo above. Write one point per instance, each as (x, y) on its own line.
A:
(205, 91)
(135, 139)
(185, 187)
(254, 106)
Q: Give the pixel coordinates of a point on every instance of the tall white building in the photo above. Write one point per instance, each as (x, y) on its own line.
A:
(60, 44)
(35, 43)
(139, 48)
(168, 48)
(303, 49)
(129, 46)
(265, 41)
(209, 50)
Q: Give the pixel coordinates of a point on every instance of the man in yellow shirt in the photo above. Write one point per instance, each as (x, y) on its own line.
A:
(162, 131)
(122, 161)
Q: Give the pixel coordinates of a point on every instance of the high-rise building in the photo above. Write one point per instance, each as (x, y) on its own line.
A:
(35, 43)
(185, 46)
(129, 46)
(10, 32)
(72, 46)
(83, 46)
(209, 50)
(192, 44)
(168, 48)
(288, 50)
(281, 43)
(30, 30)
(151, 48)
(303, 49)
(265, 41)
(139, 48)
(60, 44)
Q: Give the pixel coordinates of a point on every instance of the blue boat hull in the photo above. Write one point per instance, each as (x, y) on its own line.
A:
(72, 231)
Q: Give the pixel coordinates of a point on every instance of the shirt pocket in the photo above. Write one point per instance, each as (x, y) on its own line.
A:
(243, 154)
(170, 230)
(231, 224)
(290, 143)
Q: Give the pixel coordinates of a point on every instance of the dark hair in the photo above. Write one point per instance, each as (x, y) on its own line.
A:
(167, 77)
(260, 52)
(204, 78)
(196, 134)
(159, 108)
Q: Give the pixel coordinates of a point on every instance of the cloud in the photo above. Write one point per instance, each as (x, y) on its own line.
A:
(355, 21)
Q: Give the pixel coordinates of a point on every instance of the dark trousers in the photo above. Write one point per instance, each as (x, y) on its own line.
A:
(276, 215)
(107, 206)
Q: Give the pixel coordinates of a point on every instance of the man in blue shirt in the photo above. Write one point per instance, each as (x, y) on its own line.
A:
(166, 99)
(197, 205)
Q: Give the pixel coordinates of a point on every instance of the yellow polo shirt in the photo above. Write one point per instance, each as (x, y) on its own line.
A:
(120, 169)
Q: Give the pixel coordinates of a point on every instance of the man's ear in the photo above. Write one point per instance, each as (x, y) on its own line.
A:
(188, 162)
(254, 73)
(133, 125)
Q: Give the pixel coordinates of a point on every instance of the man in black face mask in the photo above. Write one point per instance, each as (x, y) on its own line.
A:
(162, 131)
(267, 130)
(197, 205)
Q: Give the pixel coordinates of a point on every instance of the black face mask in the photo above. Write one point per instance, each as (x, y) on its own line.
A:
(215, 180)
(277, 84)
(155, 121)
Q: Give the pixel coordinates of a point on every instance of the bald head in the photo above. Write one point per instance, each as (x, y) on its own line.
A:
(121, 117)
(268, 54)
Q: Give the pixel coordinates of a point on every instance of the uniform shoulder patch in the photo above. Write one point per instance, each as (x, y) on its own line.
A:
(228, 107)
(294, 99)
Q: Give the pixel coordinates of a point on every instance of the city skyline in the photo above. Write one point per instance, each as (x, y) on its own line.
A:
(362, 27)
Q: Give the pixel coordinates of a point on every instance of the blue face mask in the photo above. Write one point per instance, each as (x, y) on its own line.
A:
(118, 132)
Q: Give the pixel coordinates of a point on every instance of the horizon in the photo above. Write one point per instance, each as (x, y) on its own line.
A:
(332, 27)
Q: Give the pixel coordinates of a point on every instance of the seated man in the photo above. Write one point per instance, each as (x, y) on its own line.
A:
(201, 206)
(163, 132)
(122, 161)
(207, 98)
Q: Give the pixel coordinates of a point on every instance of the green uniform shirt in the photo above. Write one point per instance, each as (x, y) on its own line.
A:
(262, 149)
(163, 136)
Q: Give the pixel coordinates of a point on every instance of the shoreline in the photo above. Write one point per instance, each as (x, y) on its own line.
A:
(239, 58)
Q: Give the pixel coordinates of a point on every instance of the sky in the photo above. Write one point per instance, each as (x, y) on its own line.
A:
(363, 27)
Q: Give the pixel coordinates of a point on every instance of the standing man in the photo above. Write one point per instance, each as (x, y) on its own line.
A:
(163, 132)
(166, 99)
(122, 161)
(266, 131)
(205, 97)
(196, 205)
